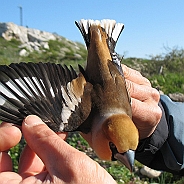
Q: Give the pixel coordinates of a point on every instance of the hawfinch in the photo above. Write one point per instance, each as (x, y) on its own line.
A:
(94, 102)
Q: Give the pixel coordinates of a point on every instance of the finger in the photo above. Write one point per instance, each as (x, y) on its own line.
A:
(135, 76)
(62, 135)
(142, 114)
(62, 161)
(9, 136)
(46, 144)
(30, 163)
(5, 162)
(142, 93)
(5, 124)
(10, 177)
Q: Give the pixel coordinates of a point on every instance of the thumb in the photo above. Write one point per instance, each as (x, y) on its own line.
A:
(41, 139)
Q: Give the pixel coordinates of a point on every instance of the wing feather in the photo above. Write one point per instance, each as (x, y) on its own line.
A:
(53, 92)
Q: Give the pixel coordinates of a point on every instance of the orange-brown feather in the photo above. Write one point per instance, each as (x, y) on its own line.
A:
(111, 110)
(98, 56)
(121, 131)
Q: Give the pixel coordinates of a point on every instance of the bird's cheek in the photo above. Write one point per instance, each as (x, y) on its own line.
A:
(87, 137)
(100, 144)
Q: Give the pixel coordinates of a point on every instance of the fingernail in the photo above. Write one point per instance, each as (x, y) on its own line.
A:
(33, 120)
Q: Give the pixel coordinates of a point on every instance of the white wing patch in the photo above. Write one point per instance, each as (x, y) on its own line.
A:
(5, 91)
(69, 104)
(18, 86)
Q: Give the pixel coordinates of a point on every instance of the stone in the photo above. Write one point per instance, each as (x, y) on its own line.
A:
(77, 56)
(12, 31)
(23, 53)
(45, 45)
(151, 173)
(64, 49)
(36, 40)
(27, 46)
(36, 48)
(31, 39)
(177, 97)
(35, 35)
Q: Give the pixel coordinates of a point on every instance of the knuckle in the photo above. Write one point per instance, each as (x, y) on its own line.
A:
(126, 71)
(137, 73)
(155, 95)
(130, 87)
(157, 113)
(147, 82)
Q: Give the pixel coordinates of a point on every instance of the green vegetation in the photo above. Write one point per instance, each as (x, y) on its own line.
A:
(9, 51)
(165, 72)
(61, 51)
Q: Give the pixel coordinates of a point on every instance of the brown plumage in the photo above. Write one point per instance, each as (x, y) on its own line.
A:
(95, 102)
(111, 110)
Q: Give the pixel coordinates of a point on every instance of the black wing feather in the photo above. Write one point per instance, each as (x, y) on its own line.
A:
(40, 89)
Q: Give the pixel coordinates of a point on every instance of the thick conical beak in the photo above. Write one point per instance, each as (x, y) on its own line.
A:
(126, 158)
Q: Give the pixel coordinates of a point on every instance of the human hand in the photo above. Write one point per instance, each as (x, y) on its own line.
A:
(47, 158)
(10, 135)
(145, 110)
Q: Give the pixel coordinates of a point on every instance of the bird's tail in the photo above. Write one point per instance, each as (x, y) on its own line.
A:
(111, 28)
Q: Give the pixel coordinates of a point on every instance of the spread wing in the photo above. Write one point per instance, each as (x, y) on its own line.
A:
(53, 92)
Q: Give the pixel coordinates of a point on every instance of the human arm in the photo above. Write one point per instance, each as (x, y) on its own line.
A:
(162, 145)
(164, 149)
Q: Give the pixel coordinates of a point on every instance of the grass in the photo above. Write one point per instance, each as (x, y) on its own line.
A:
(165, 71)
(9, 51)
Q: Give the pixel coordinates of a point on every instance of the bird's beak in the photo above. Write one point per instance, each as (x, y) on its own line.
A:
(126, 158)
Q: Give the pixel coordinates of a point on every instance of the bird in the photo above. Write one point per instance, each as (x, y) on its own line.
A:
(94, 101)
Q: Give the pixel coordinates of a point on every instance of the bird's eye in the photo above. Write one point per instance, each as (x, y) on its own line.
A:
(113, 150)
(112, 146)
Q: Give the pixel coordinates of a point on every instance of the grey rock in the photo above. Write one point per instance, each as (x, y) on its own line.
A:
(23, 53)
(45, 45)
(36, 40)
(77, 56)
(31, 39)
(10, 30)
(151, 173)
(177, 97)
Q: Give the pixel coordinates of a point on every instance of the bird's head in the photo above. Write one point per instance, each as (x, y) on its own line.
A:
(116, 138)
